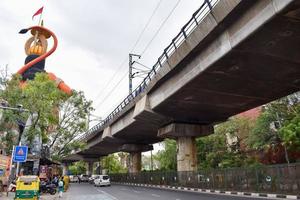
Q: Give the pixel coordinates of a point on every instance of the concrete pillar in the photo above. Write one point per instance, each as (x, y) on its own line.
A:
(186, 154)
(89, 170)
(65, 169)
(98, 168)
(135, 159)
(135, 155)
(185, 135)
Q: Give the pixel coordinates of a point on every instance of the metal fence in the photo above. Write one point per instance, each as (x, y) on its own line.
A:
(185, 31)
(283, 179)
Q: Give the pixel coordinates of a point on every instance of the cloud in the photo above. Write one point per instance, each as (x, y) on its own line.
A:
(94, 38)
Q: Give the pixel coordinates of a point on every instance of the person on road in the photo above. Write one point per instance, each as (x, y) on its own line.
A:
(60, 188)
(55, 180)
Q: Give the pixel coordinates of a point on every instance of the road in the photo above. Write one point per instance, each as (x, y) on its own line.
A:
(119, 192)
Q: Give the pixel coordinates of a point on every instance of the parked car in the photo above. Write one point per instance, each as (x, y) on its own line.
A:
(92, 178)
(84, 178)
(74, 179)
(102, 180)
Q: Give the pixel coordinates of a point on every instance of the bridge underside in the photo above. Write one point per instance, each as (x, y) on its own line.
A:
(262, 68)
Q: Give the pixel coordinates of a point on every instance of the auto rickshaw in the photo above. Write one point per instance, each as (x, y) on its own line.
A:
(28, 188)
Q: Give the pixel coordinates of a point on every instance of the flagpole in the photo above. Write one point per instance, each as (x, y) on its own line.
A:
(37, 32)
(40, 19)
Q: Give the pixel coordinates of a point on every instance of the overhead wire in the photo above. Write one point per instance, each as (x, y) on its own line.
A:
(154, 36)
(146, 26)
(160, 27)
(147, 46)
(132, 49)
(108, 94)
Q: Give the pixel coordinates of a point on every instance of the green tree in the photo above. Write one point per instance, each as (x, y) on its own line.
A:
(112, 164)
(225, 148)
(278, 125)
(40, 97)
(290, 132)
(78, 168)
(73, 115)
(263, 135)
(167, 157)
(59, 119)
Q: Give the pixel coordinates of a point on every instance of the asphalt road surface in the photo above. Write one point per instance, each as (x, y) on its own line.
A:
(85, 191)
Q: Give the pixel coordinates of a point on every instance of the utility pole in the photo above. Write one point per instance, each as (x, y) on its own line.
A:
(131, 55)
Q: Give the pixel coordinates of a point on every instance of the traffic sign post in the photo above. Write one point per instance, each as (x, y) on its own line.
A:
(20, 154)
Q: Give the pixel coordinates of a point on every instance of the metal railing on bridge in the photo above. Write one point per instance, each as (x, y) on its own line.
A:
(185, 31)
(283, 179)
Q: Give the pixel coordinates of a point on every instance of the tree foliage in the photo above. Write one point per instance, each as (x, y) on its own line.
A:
(278, 124)
(59, 118)
(112, 164)
(167, 157)
(39, 97)
(215, 151)
(73, 115)
(78, 168)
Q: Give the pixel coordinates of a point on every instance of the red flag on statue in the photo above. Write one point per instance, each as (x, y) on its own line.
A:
(38, 12)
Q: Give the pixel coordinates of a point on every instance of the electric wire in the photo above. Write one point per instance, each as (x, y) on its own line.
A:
(111, 92)
(132, 49)
(158, 30)
(146, 26)
(145, 49)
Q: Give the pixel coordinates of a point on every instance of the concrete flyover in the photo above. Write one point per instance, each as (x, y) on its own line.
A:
(242, 54)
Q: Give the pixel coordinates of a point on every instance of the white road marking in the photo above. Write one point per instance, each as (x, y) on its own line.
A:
(155, 195)
(107, 194)
(138, 192)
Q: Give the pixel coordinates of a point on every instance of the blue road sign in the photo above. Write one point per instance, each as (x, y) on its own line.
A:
(1, 172)
(20, 154)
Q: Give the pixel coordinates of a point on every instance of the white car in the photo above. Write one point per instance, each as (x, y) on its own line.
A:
(102, 180)
(84, 178)
(92, 178)
(74, 179)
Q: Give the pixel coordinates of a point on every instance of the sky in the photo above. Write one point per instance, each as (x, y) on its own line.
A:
(95, 38)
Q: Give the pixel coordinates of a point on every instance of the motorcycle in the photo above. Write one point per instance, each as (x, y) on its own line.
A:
(12, 187)
(48, 188)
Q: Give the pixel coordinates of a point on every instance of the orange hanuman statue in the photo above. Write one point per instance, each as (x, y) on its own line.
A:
(36, 51)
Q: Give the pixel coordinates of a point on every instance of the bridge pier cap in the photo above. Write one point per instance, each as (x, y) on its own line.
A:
(134, 148)
(185, 135)
(175, 130)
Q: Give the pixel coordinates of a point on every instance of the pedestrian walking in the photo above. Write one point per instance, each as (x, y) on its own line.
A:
(60, 188)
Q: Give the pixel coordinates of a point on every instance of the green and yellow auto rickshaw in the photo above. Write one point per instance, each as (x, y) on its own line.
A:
(27, 188)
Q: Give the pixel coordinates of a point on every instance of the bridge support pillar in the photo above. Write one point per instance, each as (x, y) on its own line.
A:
(135, 155)
(98, 168)
(65, 170)
(185, 135)
(90, 165)
(135, 162)
(186, 154)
